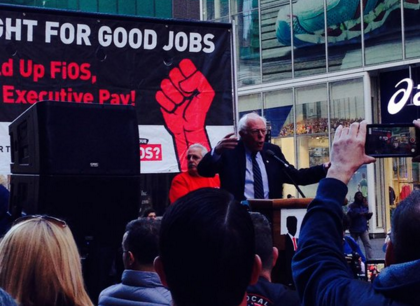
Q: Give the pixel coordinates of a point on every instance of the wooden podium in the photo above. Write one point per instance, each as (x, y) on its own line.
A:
(277, 211)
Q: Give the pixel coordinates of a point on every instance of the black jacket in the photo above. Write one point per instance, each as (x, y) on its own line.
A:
(231, 169)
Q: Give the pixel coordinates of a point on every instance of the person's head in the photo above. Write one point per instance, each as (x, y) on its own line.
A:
(358, 197)
(40, 263)
(195, 154)
(252, 129)
(291, 224)
(206, 250)
(149, 213)
(140, 244)
(405, 235)
(264, 243)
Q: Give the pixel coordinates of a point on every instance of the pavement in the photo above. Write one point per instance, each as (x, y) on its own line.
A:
(376, 244)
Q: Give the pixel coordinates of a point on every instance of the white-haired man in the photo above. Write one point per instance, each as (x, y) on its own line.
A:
(186, 182)
(249, 168)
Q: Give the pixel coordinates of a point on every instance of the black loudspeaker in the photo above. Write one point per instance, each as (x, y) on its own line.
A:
(79, 139)
(96, 208)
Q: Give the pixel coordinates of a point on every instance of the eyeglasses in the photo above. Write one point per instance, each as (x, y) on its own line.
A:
(258, 131)
(53, 220)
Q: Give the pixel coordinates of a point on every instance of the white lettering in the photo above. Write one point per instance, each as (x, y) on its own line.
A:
(396, 106)
(83, 32)
(195, 42)
(30, 24)
(105, 36)
(181, 41)
(120, 37)
(208, 42)
(134, 38)
(17, 28)
(50, 29)
(13, 29)
(150, 39)
(67, 33)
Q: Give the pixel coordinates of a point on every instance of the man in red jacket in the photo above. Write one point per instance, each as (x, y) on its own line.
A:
(186, 182)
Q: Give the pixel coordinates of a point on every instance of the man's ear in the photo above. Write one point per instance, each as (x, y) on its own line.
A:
(128, 259)
(275, 255)
(160, 271)
(256, 270)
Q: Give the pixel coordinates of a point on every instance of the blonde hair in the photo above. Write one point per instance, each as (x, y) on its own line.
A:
(40, 265)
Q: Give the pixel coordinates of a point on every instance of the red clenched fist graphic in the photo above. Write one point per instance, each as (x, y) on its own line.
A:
(185, 98)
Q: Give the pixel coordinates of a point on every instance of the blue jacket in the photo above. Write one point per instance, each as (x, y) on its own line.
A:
(320, 271)
(358, 223)
(137, 288)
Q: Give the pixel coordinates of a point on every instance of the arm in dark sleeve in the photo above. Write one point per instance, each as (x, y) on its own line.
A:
(209, 165)
(304, 176)
(320, 271)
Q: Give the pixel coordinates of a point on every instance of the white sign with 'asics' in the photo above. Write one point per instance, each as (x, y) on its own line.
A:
(396, 106)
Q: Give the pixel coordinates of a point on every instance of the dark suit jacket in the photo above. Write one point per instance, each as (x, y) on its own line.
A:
(232, 165)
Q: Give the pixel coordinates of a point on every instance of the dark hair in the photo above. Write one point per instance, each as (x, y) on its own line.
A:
(207, 249)
(147, 212)
(143, 239)
(405, 235)
(263, 240)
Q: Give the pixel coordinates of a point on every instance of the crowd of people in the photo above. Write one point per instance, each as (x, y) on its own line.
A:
(314, 126)
(209, 249)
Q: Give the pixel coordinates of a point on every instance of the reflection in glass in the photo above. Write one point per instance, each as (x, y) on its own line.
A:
(412, 28)
(347, 103)
(276, 54)
(248, 48)
(312, 110)
(309, 32)
(346, 107)
(311, 129)
(279, 111)
(249, 103)
(238, 6)
(344, 35)
(382, 31)
(215, 9)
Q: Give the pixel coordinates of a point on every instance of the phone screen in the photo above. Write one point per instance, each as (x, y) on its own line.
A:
(373, 268)
(391, 140)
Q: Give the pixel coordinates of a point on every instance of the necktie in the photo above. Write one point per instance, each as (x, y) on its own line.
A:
(258, 184)
(294, 243)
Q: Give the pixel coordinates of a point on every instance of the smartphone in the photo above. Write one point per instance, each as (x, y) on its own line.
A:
(392, 140)
(373, 268)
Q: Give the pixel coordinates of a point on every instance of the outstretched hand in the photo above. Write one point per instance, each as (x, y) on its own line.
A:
(348, 151)
(228, 142)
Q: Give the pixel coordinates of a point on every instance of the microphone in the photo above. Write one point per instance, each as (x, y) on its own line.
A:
(286, 165)
(272, 154)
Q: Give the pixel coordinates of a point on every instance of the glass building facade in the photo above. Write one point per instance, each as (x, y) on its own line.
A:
(310, 65)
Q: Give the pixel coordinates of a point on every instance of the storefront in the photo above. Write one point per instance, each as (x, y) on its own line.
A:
(307, 66)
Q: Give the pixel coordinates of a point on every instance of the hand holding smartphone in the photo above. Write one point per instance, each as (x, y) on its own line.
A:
(392, 140)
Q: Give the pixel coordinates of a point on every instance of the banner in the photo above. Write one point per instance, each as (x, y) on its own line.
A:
(176, 73)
